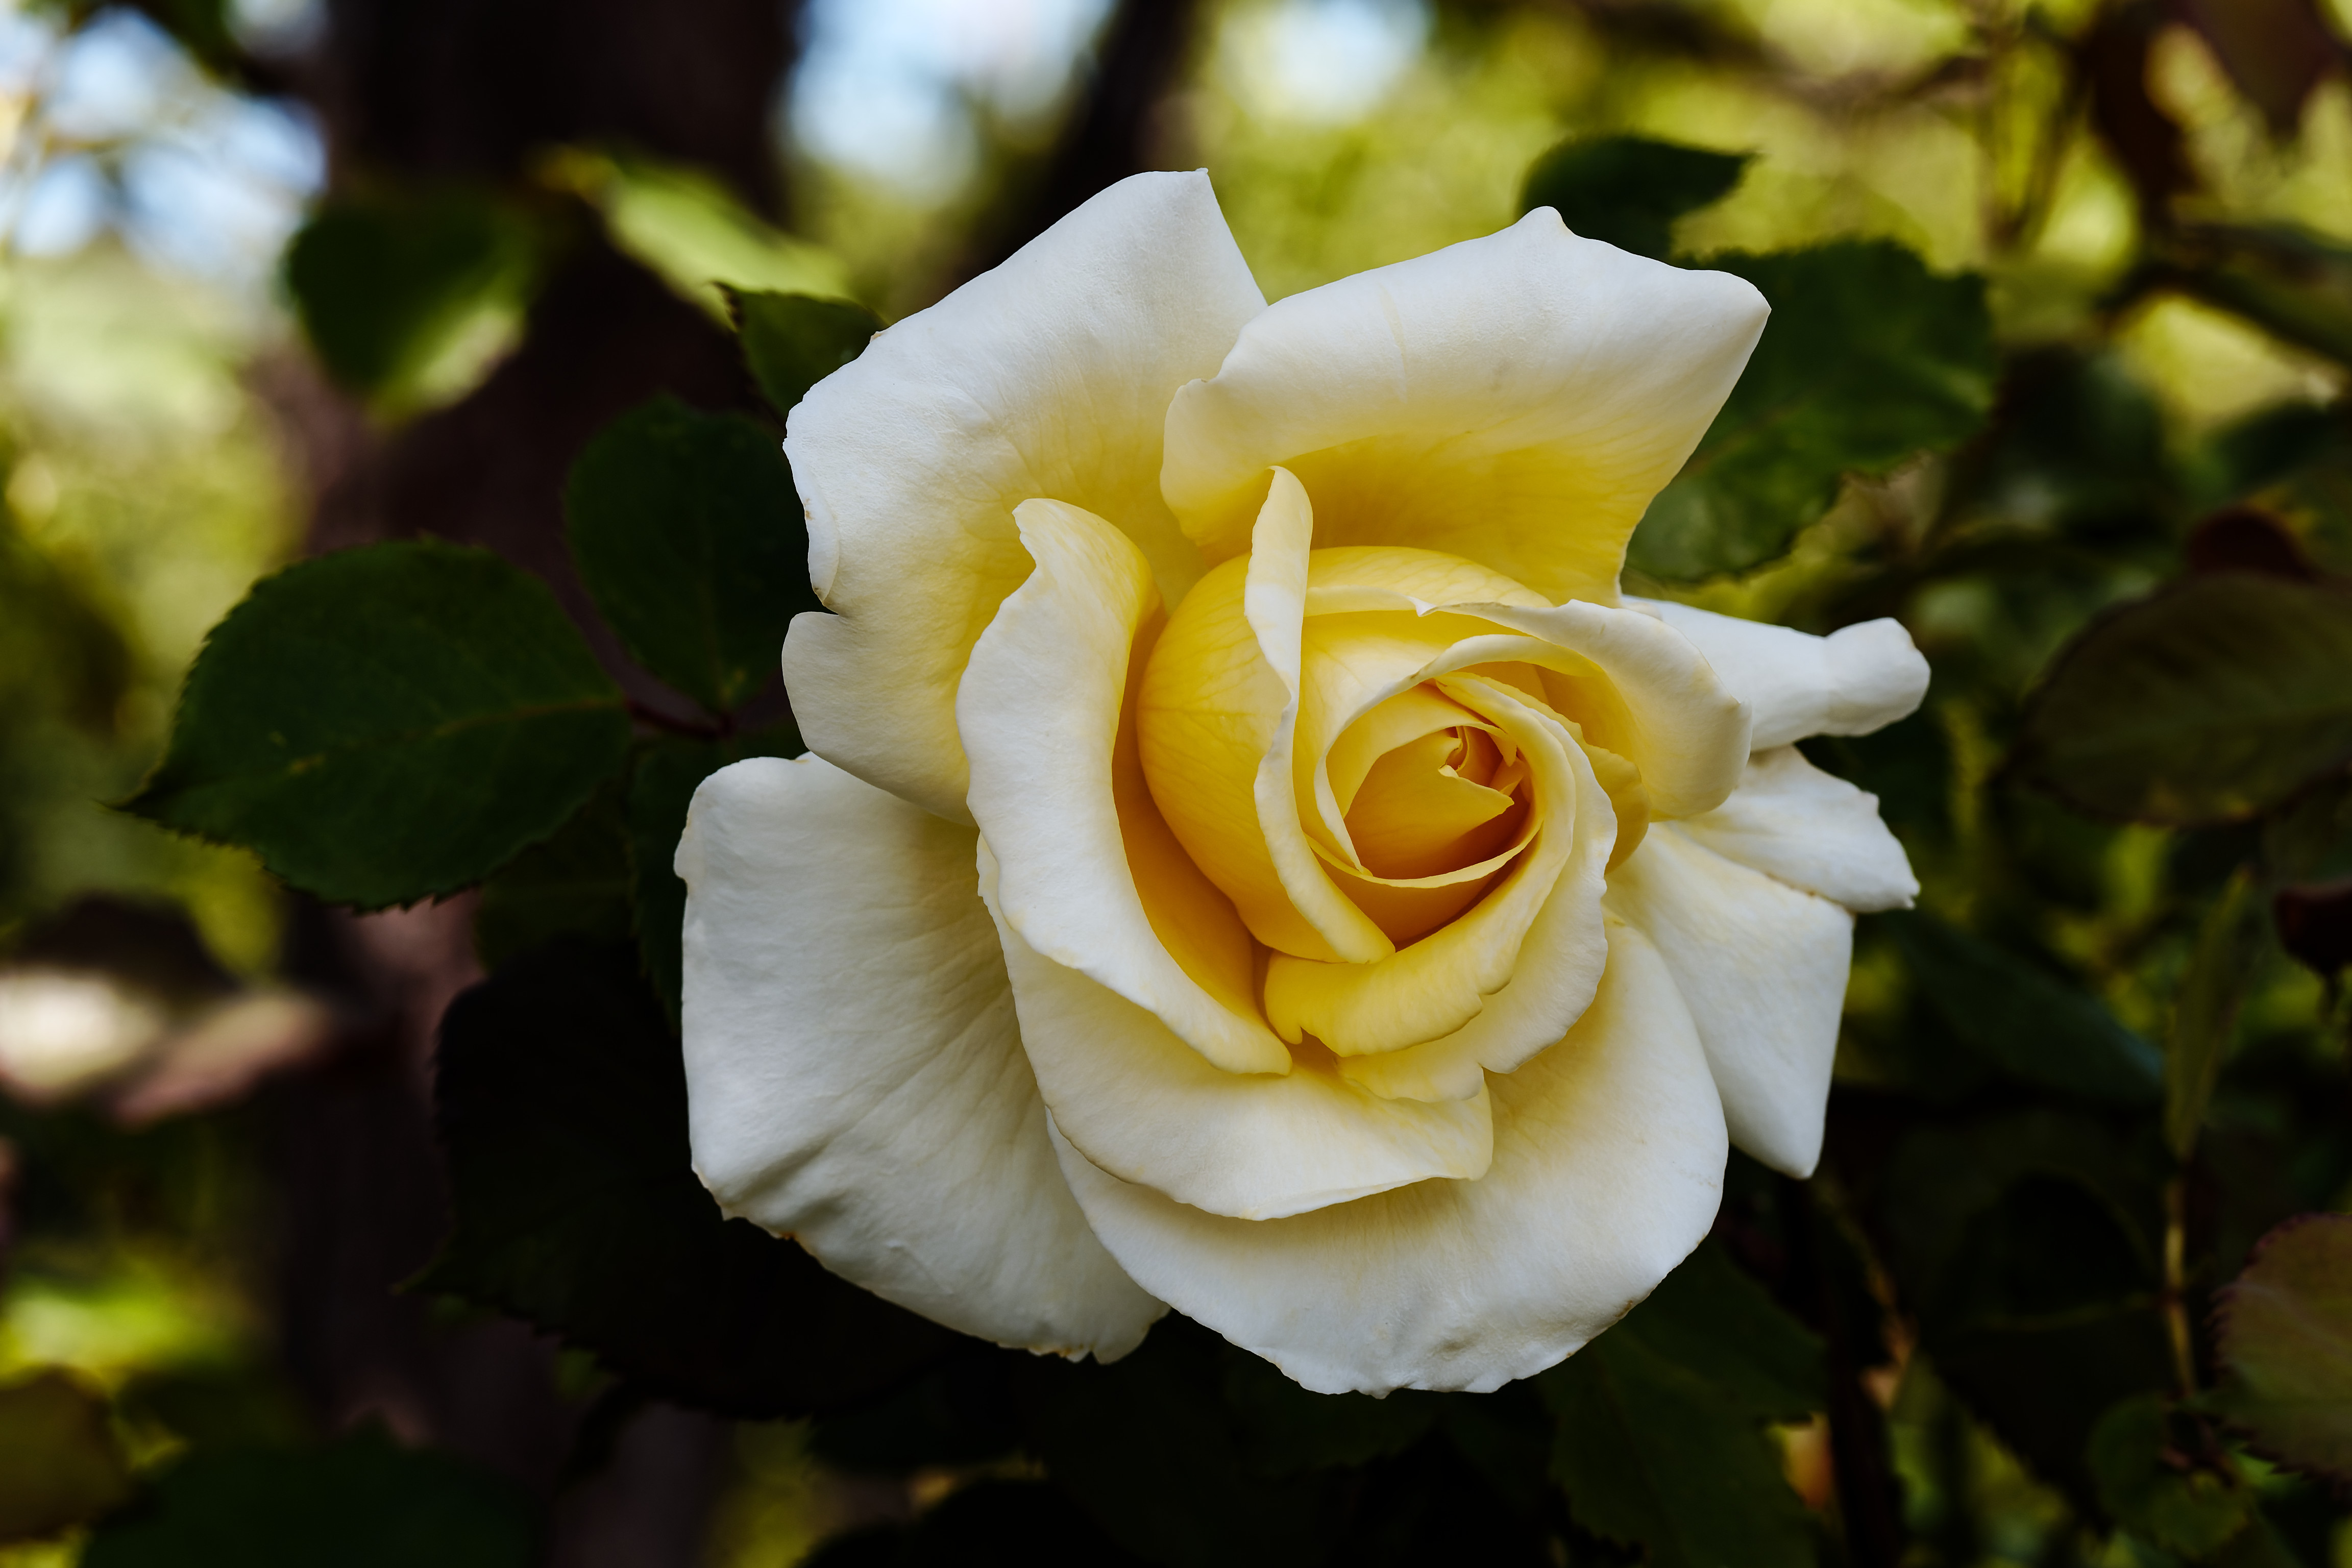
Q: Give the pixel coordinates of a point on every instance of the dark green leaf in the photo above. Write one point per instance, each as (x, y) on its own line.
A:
(2285, 1346)
(575, 884)
(59, 1464)
(1148, 1448)
(561, 1106)
(389, 291)
(1652, 1453)
(2210, 701)
(1712, 1318)
(660, 789)
(685, 530)
(2020, 1019)
(791, 342)
(1285, 1430)
(2205, 1016)
(390, 723)
(1629, 190)
(362, 1503)
(2151, 1481)
(1867, 360)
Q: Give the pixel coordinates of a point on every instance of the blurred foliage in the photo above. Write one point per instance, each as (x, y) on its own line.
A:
(2056, 374)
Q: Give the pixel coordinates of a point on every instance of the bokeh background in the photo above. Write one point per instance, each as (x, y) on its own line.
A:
(217, 1160)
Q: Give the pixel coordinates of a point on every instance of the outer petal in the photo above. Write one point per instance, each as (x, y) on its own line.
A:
(1039, 712)
(1810, 829)
(1129, 1093)
(1859, 679)
(1049, 376)
(1608, 1167)
(853, 1073)
(1517, 400)
(1762, 968)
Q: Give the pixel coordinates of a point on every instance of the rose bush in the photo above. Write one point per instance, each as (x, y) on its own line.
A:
(1251, 858)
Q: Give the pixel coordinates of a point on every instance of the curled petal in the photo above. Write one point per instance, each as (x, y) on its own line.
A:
(1047, 376)
(1040, 714)
(1762, 968)
(854, 1072)
(1516, 400)
(1608, 1166)
(1810, 829)
(1126, 1089)
(1856, 680)
(1434, 987)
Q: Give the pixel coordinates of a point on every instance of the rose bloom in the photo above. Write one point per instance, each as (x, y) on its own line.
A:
(1251, 856)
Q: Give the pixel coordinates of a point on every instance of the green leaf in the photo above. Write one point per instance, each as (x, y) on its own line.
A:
(2020, 1019)
(661, 787)
(409, 300)
(561, 1106)
(1629, 190)
(692, 231)
(2212, 700)
(1285, 1430)
(575, 884)
(686, 532)
(791, 342)
(362, 1503)
(1711, 1317)
(2151, 1481)
(2229, 943)
(389, 723)
(59, 1464)
(1653, 1454)
(2284, 1346)
(1868, 358)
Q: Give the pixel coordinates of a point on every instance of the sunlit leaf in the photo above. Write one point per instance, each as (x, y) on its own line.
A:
(389, 723)
(1629, 190)
(2209, 702)
(2284, 1346)
(791, 342)
(362, 1503)
(408, 300)
(59, 1463)
(686, 532)
(693, 232)
(1868, 358)
(562, 1106)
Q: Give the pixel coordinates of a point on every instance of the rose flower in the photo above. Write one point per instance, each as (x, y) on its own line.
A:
(1251, 858)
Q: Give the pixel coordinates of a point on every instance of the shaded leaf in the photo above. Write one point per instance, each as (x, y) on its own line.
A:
(1653, 1454)
(2205, 1016)
(57, 648)
(1629, 190)
(1285, 1430)
(2151, 1481)
(59, 1464)
(404, 299)
(661, 787)
(791, 342)
(361, 1503)
(2209, 702)
(2017, 1018)
(561, 1106)
(989, 1525)
(575, 884)
(1713, 1319)
(2284, 1346)
(2292, 282)
(685, 530)
(1868, 358)
(389, 723)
